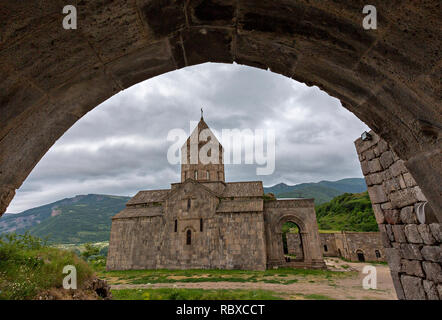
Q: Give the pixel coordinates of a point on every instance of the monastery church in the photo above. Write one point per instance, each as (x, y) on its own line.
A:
(204, 222)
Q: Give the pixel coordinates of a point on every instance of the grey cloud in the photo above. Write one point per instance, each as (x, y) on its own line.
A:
(120, 147)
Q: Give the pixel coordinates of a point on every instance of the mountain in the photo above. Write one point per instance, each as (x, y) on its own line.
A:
(322, 191)
(349, 212)
(83, 218)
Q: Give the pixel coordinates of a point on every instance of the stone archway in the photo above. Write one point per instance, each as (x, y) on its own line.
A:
(301, 213)
(294, 248)
(388, 77)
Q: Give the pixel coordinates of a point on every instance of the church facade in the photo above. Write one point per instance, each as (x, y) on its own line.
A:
(204, 222)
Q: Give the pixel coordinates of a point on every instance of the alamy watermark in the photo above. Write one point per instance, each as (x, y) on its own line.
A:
(244, 146)
(70, 281)
(370, 280)
(368, 22)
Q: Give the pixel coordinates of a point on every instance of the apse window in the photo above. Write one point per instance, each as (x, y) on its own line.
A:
(377, 253)
(189, 237)
(176, 226)
(325, 248)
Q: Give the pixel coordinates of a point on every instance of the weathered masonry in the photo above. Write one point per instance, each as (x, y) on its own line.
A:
(204, 222)
(409, 230)
(354, 246)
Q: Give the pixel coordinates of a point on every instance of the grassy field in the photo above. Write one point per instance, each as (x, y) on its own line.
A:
(277, 276)
(193, 294)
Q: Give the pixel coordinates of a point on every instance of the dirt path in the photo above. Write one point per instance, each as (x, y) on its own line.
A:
(346, 288)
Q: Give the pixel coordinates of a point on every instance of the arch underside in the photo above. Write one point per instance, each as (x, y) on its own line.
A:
(389, 77)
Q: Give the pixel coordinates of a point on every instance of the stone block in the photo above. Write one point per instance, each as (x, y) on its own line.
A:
(392, 216)
(378, 213)
(409, 180)
(386, 205)
(412, 267)
(425, 233)
(407, 215)
(374, 178)
(397, 285)
(432, 253)
(402, 182)
(386, 159)
(419, 194)
(389, 230)
(392, 185)
(399, 234)
(382, 146)
(374, 165)
(436, 231)
(398, 168)
(384, 237)
(377, 194)
(402, 198)
(431, 290)
(413, 288)
(394, 259)
(433, 271)
(412, 233)
(365, 168)
(369, 154)
(411, 251)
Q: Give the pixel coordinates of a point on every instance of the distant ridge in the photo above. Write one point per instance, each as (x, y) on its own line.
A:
(322, 191)
(83, 218)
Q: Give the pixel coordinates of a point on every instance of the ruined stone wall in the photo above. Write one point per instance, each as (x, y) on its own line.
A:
(350, 243)
(329, 240)
(412, 242)
(294, 245)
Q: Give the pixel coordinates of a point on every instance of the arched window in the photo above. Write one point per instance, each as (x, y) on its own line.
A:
(377, 253)
(189, 203)
(176, 225)
(195, 174)
(325, 248)
(201, 224)
(207, 175)
(189, 237)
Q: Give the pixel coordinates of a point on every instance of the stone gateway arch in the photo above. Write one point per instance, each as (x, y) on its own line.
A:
(388, 77)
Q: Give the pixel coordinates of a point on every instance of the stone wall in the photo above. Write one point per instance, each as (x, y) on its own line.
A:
(329, 240)
(409, 230)
(294, 245)
(367, 243)
(127, 251)
(347, 244)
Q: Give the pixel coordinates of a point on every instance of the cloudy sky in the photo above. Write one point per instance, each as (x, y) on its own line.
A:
(121, 146)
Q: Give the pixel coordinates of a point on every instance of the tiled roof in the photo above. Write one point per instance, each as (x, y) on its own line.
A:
(243, 189)
(131, 212)
(147, 196)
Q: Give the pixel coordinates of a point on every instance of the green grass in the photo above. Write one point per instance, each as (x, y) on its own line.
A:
(193, 294)
(277, 276)
(28, 266)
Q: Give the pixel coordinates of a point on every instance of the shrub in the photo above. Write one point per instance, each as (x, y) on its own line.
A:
(28, 266)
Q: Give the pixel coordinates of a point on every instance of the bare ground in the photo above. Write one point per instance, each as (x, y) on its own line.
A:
(339, 288)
